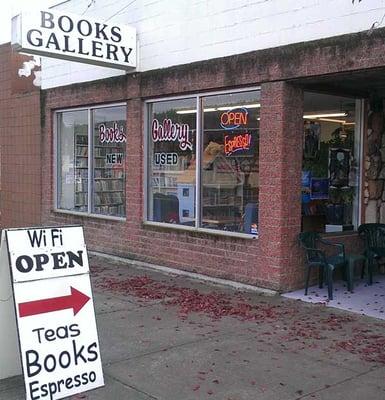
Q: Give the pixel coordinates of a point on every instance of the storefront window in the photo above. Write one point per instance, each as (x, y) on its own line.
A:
(73, 161)
(330, 168)
(226, 168)
(230, 162)
(172, 158)
(109, 161)
(92, 163)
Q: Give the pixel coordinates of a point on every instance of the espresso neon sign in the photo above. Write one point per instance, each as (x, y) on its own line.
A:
(237, 143)
(234, 118)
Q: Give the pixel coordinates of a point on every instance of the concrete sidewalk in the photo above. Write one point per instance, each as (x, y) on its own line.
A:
(171, 338)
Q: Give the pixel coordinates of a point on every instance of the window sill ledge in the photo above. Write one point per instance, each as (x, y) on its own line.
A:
(213, 232)
(339, 234)
(89, 215)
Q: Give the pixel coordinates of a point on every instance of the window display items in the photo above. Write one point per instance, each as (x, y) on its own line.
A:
(312, 133)
(319, 188)
(339, 166)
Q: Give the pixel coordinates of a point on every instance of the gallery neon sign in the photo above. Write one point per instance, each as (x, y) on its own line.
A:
(170, 131)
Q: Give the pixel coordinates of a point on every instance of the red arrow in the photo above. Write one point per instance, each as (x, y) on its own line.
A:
(76, 300)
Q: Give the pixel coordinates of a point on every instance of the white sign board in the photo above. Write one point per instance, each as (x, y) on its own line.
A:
(9, 346)
(72, 37)
(55, 315)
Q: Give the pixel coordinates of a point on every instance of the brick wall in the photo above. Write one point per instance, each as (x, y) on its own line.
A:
(280, 166)
(20, 139)
(274, 260)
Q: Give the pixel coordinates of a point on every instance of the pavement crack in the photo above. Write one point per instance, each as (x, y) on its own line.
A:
(171, 348)
(111, 311)
(150, 396)
(337, 383)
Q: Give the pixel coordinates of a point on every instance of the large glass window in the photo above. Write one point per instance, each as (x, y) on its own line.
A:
(91, 159)
(330, 168)
(73, 160)
(229, 173)
(203, 161)
(173, 158)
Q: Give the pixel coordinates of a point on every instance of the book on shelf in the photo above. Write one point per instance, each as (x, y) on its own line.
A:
(81, 151)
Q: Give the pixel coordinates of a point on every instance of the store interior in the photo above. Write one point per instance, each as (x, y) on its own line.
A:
(330, 165)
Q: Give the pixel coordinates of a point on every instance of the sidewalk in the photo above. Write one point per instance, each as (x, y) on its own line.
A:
(172, 338)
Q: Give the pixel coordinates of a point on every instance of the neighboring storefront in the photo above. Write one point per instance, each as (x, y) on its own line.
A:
(215, 167)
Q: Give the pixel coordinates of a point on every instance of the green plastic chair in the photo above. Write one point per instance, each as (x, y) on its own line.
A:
(317, 258)
(374, 239)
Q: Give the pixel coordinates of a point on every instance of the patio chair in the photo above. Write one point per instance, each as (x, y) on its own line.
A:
(317, 258)
(374, 239)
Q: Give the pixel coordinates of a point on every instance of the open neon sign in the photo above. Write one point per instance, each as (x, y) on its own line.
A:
(234, 118)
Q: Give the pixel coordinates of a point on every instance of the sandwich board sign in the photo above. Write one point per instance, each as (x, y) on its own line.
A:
(52, 324)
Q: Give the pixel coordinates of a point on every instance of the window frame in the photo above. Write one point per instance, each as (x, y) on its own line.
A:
(199, 132)
(56, 157)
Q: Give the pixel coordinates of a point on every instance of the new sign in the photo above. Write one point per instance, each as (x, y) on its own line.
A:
(55, 316)
(72, 37)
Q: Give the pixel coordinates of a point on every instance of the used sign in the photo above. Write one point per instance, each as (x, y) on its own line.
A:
(75, 38)
(54, 312)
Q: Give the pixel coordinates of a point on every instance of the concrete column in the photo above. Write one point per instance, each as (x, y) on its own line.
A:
(280, 165)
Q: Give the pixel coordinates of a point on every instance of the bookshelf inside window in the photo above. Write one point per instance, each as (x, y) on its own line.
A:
(108, 182)
(81, 170)
(109, 195)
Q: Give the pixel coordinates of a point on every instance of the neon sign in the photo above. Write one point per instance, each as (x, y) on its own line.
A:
(237, 143)
(169, 131)
(234, 118)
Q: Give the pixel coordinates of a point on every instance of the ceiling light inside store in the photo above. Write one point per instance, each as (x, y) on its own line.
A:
(194, 111)
(337, 121)
(229, 108)
(254, 105)
(186, 112)
(340, 114)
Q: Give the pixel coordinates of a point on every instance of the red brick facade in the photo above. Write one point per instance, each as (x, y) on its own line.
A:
(274, 259)
(20, 136)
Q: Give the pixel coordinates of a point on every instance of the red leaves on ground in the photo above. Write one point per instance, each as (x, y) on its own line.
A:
(294, 329)
(188, 300)
(368, 347)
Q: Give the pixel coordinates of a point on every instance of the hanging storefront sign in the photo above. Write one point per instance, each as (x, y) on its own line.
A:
(54, 311)
(72, 37)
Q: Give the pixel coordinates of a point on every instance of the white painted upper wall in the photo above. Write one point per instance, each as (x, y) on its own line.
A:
(174, 32)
